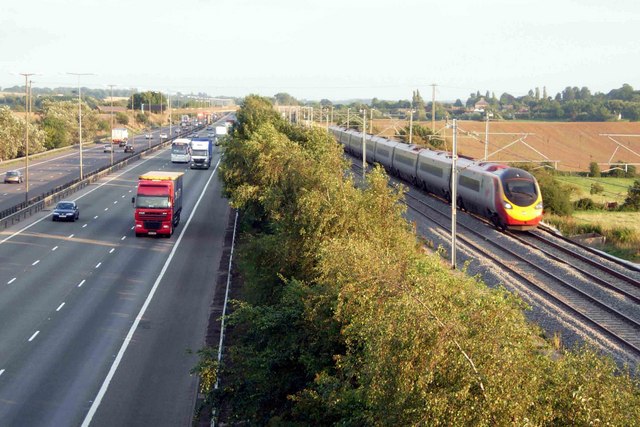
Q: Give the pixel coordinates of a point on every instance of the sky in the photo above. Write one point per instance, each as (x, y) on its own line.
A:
(334, 49)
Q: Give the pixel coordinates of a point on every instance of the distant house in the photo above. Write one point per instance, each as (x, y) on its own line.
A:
(480, 106)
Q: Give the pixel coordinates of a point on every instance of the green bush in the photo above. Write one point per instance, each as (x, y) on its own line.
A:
(122, 118)
(585, 204)
(596, 188)
(141, 118)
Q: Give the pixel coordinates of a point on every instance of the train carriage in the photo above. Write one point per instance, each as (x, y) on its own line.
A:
(434, 172)
(384, 151)
(509, 197)
(405, 160)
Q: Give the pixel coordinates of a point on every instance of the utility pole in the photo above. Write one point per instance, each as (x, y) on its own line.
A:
(111, 151)
(486, 137)
(411, 126)
(170, 116)
(433, 108)
(348, 118)
(364, 142)
(371, 122)
(454, 193)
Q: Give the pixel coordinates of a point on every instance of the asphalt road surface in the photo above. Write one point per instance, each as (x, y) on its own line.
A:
(70, 294)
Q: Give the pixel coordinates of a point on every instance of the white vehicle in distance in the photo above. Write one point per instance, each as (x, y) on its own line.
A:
(163, 135)
(148, 135)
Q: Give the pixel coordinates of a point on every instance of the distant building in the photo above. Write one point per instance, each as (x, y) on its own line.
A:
(480, 106)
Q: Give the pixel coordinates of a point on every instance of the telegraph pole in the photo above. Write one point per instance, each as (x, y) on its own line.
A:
(486, 137)
(454, 193)
(411, 126)
(364, 142)
(433, 107)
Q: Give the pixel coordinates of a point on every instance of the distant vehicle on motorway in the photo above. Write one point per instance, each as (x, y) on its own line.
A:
(178, 130)
(66, 210)
(13, 177)
(107, 148)
(129, 148)
(163, 135)
(148, 135)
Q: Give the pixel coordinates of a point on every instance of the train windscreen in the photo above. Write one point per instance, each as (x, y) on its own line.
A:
(519, 187)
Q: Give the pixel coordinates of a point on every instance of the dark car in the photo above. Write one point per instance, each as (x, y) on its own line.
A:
(65, 211)
(13, 176)
(129, 148)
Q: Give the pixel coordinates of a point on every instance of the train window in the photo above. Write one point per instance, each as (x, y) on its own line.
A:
(470, 183)
(401, 159)
(521, 192)
(383, 152)
(430, 169)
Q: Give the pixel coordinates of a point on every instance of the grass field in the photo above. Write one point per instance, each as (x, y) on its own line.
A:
(615, 189)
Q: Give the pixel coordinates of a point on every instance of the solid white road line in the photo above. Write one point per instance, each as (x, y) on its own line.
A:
(59, 307)
(35, 334)
(127, 340)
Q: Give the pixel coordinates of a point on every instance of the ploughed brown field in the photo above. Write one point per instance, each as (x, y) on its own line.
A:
(571, 146)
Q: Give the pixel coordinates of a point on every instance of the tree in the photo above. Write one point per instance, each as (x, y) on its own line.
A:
(594, 170)
(632, 202)
(419, 106)
(283, 98)
(12, 136)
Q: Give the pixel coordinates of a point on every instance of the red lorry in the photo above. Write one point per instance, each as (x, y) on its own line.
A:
(158, 203)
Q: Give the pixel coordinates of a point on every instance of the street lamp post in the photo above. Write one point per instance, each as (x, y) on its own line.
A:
(111, 151)
(26, 127)
(80, 116)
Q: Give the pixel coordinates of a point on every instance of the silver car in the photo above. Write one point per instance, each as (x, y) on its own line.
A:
(13, 177)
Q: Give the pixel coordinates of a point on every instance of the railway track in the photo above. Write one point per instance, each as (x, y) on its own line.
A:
(599, 295)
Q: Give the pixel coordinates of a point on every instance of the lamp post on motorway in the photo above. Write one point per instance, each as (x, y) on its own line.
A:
(80, 116)
(111, 151)
(26, 127)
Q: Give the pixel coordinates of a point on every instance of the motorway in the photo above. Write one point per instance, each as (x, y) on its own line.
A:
(71, 348)
(53, 170)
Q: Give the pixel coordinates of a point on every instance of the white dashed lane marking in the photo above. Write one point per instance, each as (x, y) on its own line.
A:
(81, 283)
(35, 334)
(11, 281)
(112, 249)
(59, 307)
(98, 265)
(54, 248)
(35, 262)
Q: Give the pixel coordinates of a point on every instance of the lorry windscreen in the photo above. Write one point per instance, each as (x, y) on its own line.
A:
(143, 201)
(199, 153)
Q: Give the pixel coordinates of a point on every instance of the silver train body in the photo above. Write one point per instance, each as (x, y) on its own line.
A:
(509, 197)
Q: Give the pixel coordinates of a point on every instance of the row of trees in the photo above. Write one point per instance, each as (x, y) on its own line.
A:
(345, 320)
(572, 104)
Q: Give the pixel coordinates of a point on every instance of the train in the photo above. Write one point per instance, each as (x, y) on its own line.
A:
(508, 197)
